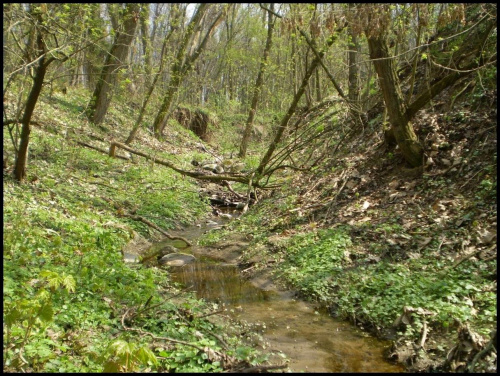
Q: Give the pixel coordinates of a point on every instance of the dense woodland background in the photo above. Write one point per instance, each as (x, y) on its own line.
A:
(268, 90)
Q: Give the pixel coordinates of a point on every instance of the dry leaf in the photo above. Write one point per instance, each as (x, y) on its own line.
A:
(486, 237)
(394, 184)
(424, 242)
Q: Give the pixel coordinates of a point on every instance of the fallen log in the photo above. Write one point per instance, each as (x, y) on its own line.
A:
(197, 175)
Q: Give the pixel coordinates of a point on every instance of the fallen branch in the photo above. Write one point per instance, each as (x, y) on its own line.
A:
(490, 346)
(193, 174)
(223, 343)
(470, 255)
(210, 314)
(226, 184)
(424, 334)
(151, 224)
(99, 149)
(257, 369)
(130, 329)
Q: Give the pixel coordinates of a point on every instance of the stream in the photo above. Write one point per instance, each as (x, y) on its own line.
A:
(312, 340)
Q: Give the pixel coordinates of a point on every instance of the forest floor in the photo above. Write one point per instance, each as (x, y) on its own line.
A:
(409, 255)
(406, 254)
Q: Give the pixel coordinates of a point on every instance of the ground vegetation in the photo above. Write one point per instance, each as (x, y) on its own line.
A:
(357, 141)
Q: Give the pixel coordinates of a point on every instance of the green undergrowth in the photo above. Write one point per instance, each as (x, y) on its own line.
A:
(69, 299)
(358, 275)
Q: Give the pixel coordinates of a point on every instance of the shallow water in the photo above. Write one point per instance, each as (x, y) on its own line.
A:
(312, 340)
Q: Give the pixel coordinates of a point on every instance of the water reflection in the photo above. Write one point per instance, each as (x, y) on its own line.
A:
(219, 282)
(313, 341)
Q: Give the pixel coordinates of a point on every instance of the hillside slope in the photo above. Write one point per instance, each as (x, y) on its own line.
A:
(409, 254)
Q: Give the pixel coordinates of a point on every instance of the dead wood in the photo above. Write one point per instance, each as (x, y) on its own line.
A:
(226, 184)
(197, 175)
(151, 224)
(258, 369)
(99, 149)
(126, 328)
(489, 347)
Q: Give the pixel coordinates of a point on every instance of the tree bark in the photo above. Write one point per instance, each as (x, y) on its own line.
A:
(103, 93)
(258, 86)
(146, 44)
(22, 155)
(41, 70)
(353, 93)
(405, 136)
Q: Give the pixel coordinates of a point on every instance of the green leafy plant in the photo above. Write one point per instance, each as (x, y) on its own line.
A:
(123, 356)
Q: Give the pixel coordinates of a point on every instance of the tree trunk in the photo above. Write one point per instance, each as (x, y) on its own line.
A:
(318, 87)
(403, 130)
(174, 26)
(291, 110)
(41, 70)
(146, 44)
(177, 72)
(353, 94)
(103, 93)
(258, 86)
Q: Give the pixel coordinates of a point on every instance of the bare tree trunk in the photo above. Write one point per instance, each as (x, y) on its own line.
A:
(146, 43)
(175, 25)
(176, 75)
(353, 94)
(103, 93)
(41, 70)
(180, 69)
(258, 86)
(403, 130)
(318, 87)
(291, 110)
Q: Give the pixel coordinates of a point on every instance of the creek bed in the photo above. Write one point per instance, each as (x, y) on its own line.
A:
(312, 340)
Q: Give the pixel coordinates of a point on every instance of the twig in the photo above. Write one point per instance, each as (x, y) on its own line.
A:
(226, 183)
(466, 257)
(472, 177)
(129, 329)
(424, 334)
(223, 343)
(257, 369)
(487, 348)
(247, 269)
(210, 314)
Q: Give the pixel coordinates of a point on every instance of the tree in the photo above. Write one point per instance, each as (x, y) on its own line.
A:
(406, 138)
(465, 58)
(291, 110)
(40, 71)
(174, 25)
(183, 63)
(50, 27)
(124, 34)
(353, 44)
(258, 85)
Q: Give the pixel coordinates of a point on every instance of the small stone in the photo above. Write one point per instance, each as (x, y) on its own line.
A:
(176, 259)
